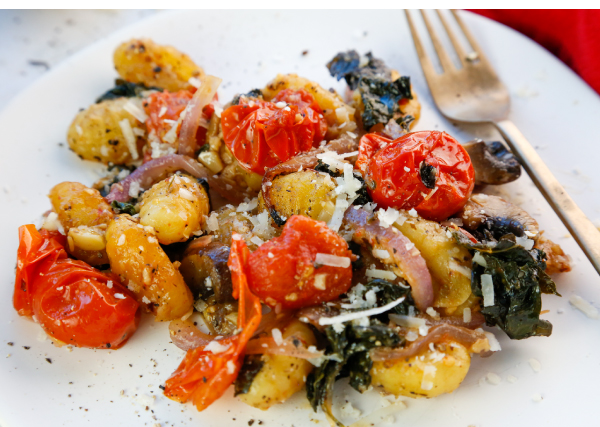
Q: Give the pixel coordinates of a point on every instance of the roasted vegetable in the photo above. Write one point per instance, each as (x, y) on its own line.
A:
(379, 91)
(347, 355)
(135, 255)
(518, 279)
(493, 163)
(206, 273)
(143, 61)
(106, 133)
(338, 114)
(125, 89)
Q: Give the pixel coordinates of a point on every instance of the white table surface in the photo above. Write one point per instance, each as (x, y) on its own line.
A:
(50, 36)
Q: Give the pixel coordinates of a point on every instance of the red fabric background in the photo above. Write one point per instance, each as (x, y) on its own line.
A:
(571, 35)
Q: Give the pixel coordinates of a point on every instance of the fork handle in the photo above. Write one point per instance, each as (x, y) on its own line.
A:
(581, 228)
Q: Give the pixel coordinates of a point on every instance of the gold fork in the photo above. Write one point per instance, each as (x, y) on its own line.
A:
(474, 93)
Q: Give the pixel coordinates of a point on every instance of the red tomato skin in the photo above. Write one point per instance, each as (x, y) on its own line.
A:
(288, 276)
(383, 162)
(261, 136)
(204, 376)
(70, 299)
(175, 103)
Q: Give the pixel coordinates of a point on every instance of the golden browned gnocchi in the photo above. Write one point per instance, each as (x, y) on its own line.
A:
(339, 115)
(308, 193)
(106, 132)
(424, 375)
(175, 207)
(135, 255)
(143, 61)
(448, 262)
(84, 215)
(280, 376)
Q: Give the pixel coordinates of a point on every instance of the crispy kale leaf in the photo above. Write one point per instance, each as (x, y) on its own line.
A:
(348, 356)
(519, 280)
(125, 89)
(254, 93)
(252, 365)
(373, 79)
(347, 351)
(123, 207)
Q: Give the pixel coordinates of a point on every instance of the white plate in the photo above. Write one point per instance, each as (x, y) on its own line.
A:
(551, 105)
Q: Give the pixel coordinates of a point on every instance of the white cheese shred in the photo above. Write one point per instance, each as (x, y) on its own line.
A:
(347, 317)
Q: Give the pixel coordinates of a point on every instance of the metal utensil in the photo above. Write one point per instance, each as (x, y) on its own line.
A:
(474, 93)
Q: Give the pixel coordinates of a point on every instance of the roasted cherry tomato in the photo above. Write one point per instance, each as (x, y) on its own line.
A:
(162, 108)
(205, 374)
(73, 302)
(429, 171)
(284, 271)
(261, 135)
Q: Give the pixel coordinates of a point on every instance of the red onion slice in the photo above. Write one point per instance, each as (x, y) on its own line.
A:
(475, 341)
(193, 114)
(154, 171)
(186, 336)
(408, 261)
(267, 345)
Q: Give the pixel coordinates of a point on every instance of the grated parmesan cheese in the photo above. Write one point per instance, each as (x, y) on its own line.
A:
(186, 194)
(525, 242)
(466, 315)
(215, 347)
(582, 305)
(535, 365)
(493, 379)
(120, 296)
(479, 259)
(135, 110)
(487, 289)
(129, 138)
(346, 317)
(212, 223)
(381, 253)
(380, 274)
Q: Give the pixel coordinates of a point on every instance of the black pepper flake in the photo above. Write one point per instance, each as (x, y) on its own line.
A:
(10, 343)
(26, 347)
(48, 360)
(304, 52)
(108, 345)
(250, 422)
(157, 69)
(162, 387)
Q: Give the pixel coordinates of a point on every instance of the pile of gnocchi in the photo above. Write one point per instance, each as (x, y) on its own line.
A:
(290, 236)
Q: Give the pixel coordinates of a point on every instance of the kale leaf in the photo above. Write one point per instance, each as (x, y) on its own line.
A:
(387, 292)
(380, 98)
(125, 89)
(373, 79)
(252, 365)
(519, 279)
(254, 93)
(348, 356)
(123, 207)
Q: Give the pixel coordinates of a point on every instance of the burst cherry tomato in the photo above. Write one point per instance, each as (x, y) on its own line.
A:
(429, 171)
(283, 270)
(204, 375)
(261, 135)
(164, 107)
(72, 301)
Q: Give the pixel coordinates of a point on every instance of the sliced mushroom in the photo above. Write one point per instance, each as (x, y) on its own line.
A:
(494, 164)
(205, 271)
(490, 217)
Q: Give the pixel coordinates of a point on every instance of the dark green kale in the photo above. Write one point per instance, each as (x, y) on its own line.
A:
(348, 356)
(387, 292)
(123, 207)
(254, 93)
(115, 170)
(373, 79)
(380, 98)
(405, 122)
(125, 89)
(252, 365)
(519, 280)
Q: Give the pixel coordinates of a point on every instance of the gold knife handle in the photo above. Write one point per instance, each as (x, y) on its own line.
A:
(581, 228)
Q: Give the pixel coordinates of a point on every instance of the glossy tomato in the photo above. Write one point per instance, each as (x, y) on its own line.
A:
(162, 108)
(263, 134)
(73, 302)
(284, 271)
(429, 171)
(204, 375)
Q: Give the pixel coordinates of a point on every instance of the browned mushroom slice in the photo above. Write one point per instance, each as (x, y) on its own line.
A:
(492, 162)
